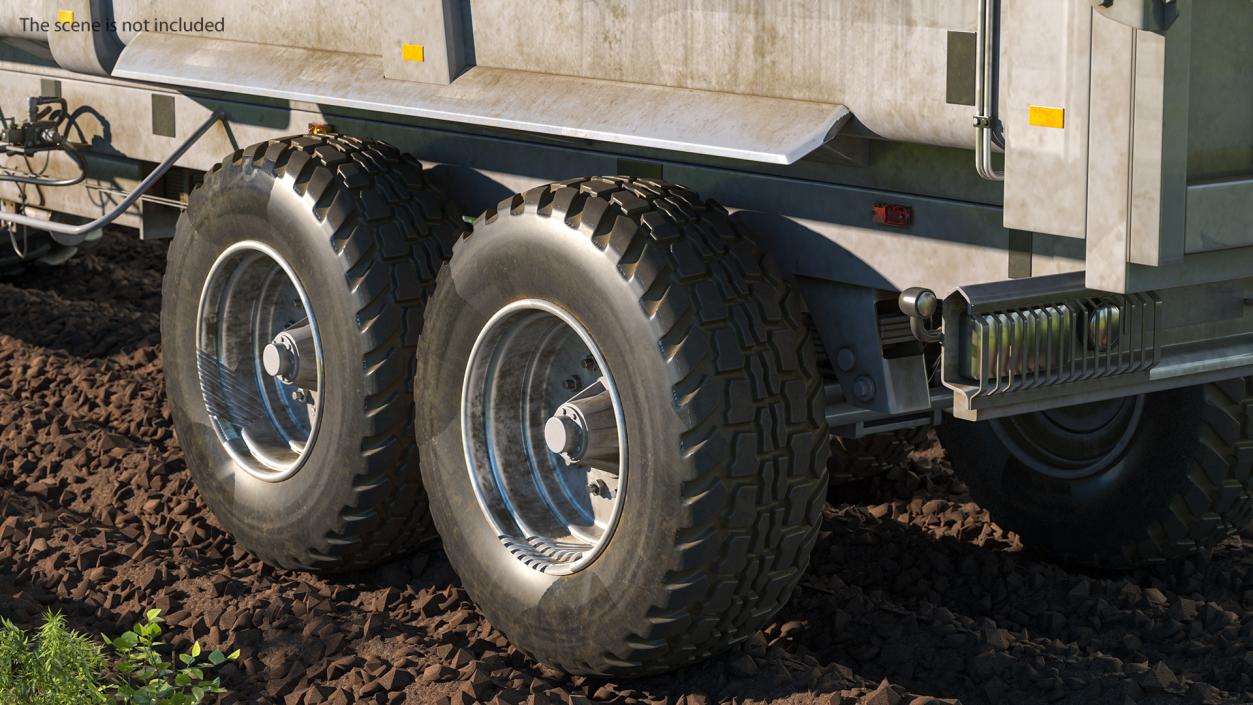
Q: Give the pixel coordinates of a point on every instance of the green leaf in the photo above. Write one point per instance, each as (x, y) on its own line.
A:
(234, 655)
(182, 680)
(217, 658)
(197, 694)
(195, 649)
(127, 640)
(186, 659)
(152, 615)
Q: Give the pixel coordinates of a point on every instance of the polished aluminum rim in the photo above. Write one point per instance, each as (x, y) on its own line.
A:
(259, 358)
(544, 437)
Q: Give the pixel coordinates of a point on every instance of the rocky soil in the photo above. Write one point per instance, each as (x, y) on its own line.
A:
(913, 597)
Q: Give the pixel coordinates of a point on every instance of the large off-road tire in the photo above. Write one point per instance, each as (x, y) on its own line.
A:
(1116, 484)
(344, 234)
(854, 459)
(714, 480)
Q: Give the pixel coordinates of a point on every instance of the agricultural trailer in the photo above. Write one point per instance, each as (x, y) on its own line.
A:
(604, 292)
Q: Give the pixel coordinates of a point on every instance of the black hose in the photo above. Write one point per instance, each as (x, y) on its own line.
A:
(65, 147)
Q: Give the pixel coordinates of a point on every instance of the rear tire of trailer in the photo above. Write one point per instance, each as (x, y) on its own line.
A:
(292, 303)
(1116, 484)
(715, 474)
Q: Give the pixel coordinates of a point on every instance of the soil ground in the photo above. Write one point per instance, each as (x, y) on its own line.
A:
(913, 595)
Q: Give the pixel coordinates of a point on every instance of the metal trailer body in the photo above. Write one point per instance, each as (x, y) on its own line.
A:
(1127, 151)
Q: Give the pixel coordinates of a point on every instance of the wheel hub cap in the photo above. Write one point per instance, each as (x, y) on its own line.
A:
(544, 437)
(259, 359)
(282, 357)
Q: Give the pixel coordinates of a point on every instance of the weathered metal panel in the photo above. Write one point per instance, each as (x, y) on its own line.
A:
(718, 124)
(11, 24)
(352, 26)
(1220, 215)
(885, 60)
(1109, 158)
(1220, 132)
(1046, 64)
(1159, 144)
(423, 40)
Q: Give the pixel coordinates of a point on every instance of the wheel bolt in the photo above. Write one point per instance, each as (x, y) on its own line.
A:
(599, 489)
(589, 363)
(299, 395)
(572, 383)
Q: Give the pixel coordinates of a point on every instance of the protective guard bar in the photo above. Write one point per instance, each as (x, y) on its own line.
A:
(1046, 342)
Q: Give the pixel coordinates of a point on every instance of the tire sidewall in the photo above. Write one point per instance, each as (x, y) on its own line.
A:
(1103, 512)
(535, 257)
(245, 201)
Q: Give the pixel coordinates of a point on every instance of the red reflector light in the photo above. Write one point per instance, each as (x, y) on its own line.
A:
(893, 214)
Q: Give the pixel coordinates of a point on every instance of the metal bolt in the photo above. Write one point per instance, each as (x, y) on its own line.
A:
(845, 359)
(589, 363)
(571, 383)
(864, 388)
(299, 395)
(599, 488)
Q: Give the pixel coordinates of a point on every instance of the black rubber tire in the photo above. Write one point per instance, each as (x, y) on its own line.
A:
(854, 459)
(724, 420)
(366, 233)
(1182, 483)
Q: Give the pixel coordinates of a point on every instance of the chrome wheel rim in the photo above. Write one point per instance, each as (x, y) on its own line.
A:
(544, 437)
(259, 359)
(1074, 442)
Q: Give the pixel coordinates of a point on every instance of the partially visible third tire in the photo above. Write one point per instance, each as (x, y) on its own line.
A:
(1118, 483)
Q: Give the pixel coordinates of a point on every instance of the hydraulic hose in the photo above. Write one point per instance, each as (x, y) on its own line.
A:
(67, 149)
(120, 208)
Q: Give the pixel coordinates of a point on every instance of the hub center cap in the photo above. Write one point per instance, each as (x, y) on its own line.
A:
(564, 435)
(585, 430)
(282, 356)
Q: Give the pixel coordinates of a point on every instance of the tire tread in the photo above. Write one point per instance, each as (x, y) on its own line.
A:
(730, 329)
(351, 186)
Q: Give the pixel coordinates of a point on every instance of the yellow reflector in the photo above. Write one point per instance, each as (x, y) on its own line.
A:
(1041, 116)
(412, 52)
(65, 16)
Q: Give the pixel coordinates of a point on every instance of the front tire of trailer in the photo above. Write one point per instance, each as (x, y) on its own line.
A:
(333, 242)
(1116, 484)
(723, 478)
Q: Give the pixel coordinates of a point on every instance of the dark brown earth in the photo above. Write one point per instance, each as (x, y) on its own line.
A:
(913, 594)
